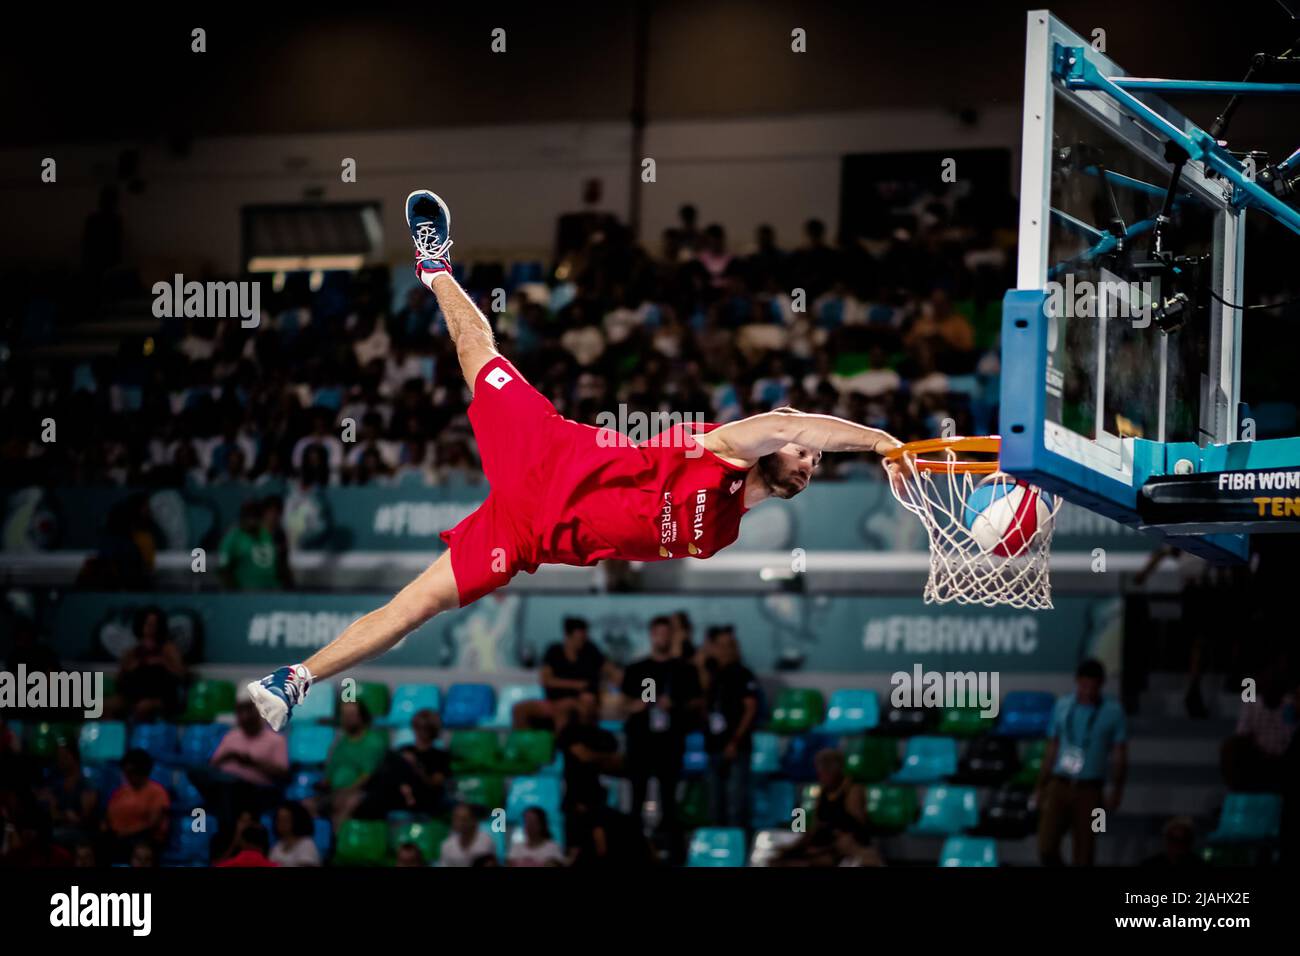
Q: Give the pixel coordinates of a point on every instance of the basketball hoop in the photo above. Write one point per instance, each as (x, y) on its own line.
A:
(990, 535)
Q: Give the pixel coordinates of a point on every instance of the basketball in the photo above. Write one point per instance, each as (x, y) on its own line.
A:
(1004, 516)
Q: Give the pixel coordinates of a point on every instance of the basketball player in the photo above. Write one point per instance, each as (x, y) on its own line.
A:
(566, 493)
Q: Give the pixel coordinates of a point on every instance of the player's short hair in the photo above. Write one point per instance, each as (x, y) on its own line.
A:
(572, 624)
(660, 620)
(1092, 668)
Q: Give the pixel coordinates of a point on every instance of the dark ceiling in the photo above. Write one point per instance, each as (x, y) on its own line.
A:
(128, 75)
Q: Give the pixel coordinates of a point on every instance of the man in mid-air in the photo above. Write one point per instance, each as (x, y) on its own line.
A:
(567, 493)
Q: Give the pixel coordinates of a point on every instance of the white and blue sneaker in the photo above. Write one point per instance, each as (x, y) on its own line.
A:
(430, 223)
(276, 695)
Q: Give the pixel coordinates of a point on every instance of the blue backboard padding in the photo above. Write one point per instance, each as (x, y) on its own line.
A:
(1023, 453)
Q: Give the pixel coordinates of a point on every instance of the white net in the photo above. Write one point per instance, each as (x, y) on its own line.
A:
(974, 560)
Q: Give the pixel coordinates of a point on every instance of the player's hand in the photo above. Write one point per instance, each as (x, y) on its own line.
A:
(897, 471)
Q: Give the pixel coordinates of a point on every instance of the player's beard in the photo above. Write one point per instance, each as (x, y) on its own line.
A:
(780, 482)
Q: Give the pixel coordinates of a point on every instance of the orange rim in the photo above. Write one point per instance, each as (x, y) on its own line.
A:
(914, 450)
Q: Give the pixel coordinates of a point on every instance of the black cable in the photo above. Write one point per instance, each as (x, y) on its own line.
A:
(1250, 308)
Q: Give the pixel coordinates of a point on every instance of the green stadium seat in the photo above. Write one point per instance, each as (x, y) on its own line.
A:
(1229, 854)
(964, 722)
(362, 843)
(376, 697)
(482, 789)
(526, 751)
(474, 750)
(797, 710)
(871, 759)
(43, 738)
(693, 808)
(891, 808)
(207, 700)
(426, 834)
(1031, 761)
(808, 796)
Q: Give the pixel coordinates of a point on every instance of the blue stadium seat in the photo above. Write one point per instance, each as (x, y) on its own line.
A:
(771, 803)
(184, 846)
(766, 757)
(525, 271)
(322, 836)
(695, 760)
(401, 737)
(102, 741)
(309, 744)
(555, 768)
(1248, 817)
(159, 740)
(717, 846)
(851, 711)
(303, 785)
(320, 704)
(185, 796)
(948, 810)
(408, 700)
(536, 791)
(512, 694)
(468, 705)
(199, 741)
(1026, 713)
(104, 779)
(927, 760)
(968, 851)
(800, 751)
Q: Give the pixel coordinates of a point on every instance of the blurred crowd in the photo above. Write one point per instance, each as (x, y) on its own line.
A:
(350, 378)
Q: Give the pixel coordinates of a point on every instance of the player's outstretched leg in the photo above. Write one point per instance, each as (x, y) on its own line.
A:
(430, 223)
(432, 592)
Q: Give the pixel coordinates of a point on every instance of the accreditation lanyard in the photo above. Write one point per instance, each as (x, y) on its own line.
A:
(1088, 728)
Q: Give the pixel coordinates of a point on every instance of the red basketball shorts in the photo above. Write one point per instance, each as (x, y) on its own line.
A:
(515, 427)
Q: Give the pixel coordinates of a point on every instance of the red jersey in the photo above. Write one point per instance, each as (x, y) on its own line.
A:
(669, 497)
(567, 493)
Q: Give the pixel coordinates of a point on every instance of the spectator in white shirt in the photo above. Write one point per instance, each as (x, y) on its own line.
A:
(294, 843)
(538, 847)
(467, 844)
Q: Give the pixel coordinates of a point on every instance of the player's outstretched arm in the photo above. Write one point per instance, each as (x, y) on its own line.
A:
(751, 438)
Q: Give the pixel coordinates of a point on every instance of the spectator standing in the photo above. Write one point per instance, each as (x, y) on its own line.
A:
(731, 713)
(1087, 739)
(662, 698)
